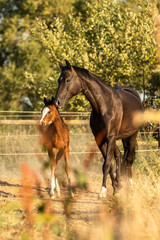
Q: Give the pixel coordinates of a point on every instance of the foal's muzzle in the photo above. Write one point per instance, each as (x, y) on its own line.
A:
(42, 123)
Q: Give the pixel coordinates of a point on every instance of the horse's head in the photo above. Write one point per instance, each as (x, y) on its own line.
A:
(68, 85)
(49, 112)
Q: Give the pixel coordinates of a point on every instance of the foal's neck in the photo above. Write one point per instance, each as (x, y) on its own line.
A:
(58, 122)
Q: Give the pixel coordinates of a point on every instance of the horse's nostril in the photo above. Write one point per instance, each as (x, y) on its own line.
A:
(57, 102)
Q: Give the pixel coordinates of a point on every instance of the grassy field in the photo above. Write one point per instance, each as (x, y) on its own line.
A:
(26, 211)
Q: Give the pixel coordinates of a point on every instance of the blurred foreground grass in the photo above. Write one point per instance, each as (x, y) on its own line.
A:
(132, 214)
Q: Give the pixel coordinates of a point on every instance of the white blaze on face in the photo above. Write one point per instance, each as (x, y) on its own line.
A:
(44, 112)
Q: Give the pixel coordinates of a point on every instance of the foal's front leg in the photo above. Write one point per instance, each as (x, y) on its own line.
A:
(107, 165)
(54, 181)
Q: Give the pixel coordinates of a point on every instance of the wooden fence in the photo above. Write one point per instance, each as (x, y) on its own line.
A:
(70, 118)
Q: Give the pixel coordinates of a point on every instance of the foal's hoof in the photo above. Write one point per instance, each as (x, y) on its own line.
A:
(71, 194)
(52, 196)
(58, 194)
(103, 193)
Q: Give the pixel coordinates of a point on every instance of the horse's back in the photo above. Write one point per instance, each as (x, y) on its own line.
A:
(130, 98)
(131, 104)
(127, 91)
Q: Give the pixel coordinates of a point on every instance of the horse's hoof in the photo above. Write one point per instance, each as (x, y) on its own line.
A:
(131, 182)
(71, 194)
(103, 193)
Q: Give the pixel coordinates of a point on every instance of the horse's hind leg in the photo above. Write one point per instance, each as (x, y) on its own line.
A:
(117, 156)
(130, 154)
(124, 162)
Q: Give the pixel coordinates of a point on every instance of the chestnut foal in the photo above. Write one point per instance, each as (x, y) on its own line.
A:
(55, 137)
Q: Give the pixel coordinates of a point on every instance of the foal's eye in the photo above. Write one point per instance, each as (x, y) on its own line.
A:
(49, 112)
(68, 80)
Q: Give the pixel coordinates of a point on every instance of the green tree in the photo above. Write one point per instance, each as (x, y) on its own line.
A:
(20, 53)
(115, 41)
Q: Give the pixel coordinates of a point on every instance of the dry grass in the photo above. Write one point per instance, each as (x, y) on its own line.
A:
(132, 214)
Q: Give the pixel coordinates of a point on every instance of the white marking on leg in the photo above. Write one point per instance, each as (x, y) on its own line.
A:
(44, 112)
(103, 192)
(57, 188)
(131, 181)
(53, 186)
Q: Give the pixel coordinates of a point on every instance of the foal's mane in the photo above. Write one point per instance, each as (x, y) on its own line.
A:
(49, 102)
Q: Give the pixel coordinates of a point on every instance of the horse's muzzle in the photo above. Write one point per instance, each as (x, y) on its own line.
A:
(57, 103)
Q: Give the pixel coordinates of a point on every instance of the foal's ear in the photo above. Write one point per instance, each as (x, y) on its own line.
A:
(68, 64)
(61, 65)
(45, 100)
(53, 100)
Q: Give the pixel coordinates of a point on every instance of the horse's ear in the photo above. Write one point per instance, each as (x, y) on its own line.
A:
(53, 99)
(68, 64)
(61, 65)
(45, 100)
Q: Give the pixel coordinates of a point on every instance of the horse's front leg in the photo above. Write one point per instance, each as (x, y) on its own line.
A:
(107, 164)
(114, 181)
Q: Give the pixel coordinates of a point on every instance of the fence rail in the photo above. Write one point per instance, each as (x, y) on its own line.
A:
(72, 153)
(70, 118)
(35, 122)
(34, 114)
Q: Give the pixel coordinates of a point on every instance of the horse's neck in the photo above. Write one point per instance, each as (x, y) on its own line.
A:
(93, 89)
(88, 94)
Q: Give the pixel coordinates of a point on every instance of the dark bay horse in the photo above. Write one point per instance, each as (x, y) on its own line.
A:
(111, 117)
(55, 137)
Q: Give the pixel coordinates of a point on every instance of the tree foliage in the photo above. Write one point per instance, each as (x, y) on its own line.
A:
(112, 39)
(115, 42)
(21, 54)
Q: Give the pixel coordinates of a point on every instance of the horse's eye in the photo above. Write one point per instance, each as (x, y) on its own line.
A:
(68, 80)
(49, 112)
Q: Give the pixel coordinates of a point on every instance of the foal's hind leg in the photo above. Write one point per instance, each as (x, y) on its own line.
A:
(67, 169)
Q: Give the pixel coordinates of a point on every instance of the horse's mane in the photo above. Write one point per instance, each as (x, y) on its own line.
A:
(84, 73)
